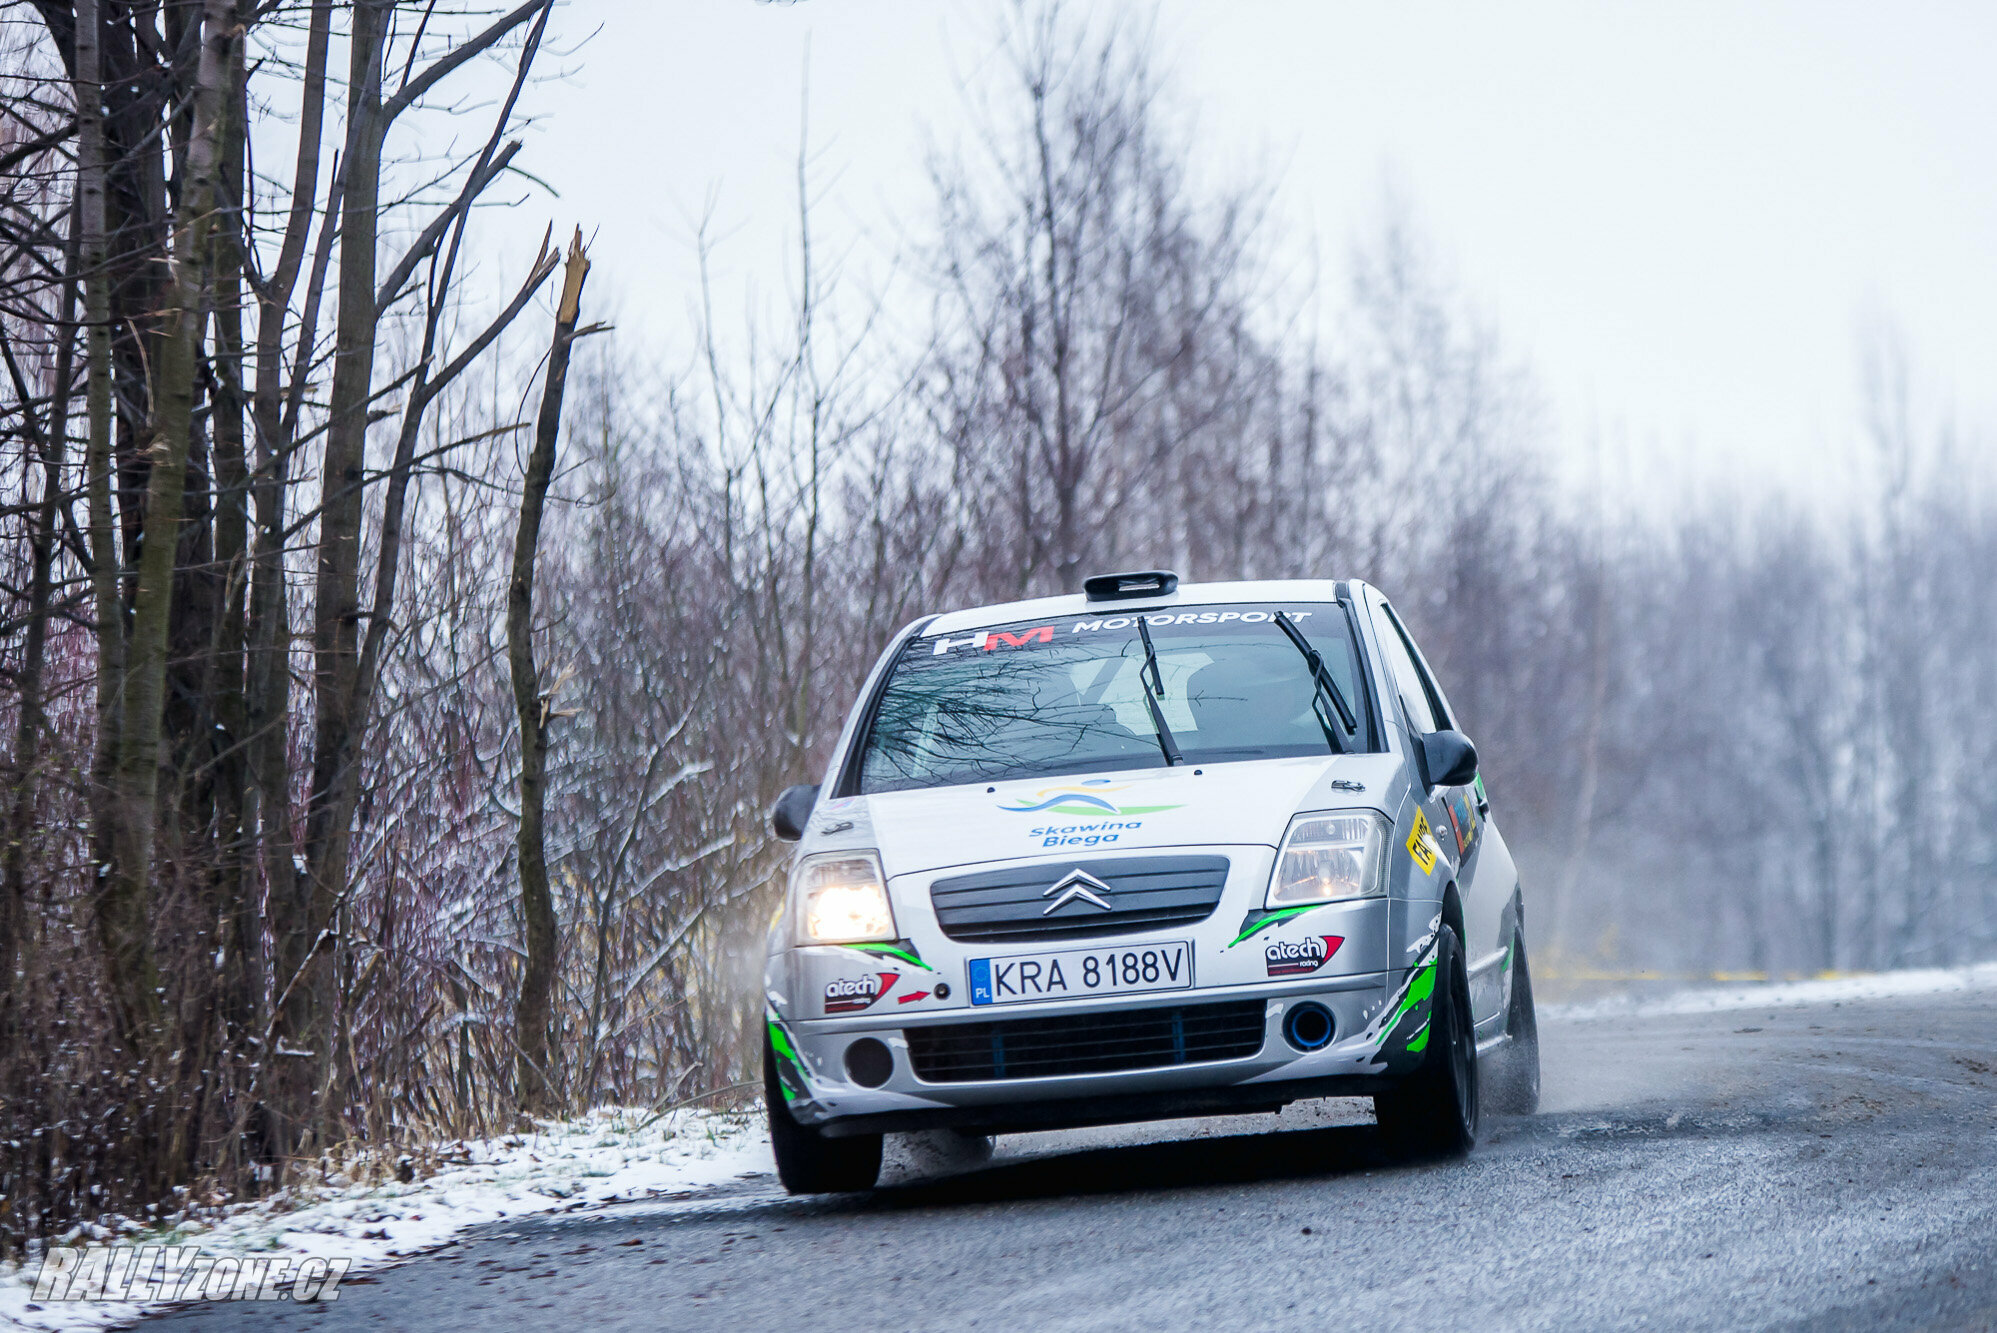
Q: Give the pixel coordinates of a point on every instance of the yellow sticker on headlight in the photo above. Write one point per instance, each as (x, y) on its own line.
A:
(1421, 844)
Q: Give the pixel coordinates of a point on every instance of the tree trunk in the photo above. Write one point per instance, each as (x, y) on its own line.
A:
(305, 1034)
(232, 878)
(537, 980)
(92, 173)
(135, 771)
(267, 685)
(53, 440)
(97, 462)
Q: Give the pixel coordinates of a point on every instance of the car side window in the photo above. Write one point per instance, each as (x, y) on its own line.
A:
(1436, 706)
(1407, 678)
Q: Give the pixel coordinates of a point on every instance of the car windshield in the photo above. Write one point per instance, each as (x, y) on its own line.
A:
(1067, 695)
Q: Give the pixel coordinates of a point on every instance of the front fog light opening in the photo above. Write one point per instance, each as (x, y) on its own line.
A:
(869, 1062)
(1308, 1026)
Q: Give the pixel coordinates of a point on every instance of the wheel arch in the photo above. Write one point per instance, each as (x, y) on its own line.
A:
(1452, 912)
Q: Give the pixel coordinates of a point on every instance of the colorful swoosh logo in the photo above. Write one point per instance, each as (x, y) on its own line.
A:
(1084, 800)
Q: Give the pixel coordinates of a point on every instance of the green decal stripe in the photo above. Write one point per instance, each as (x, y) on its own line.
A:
(1418, 990)
(1418, 987)
(1281, 914)
(1424, 984)
(790, 1066)
(889, 951)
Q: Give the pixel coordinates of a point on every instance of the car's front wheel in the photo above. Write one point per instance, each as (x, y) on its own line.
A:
(1434, 1112)
(1515, 1087)
(807, 1161)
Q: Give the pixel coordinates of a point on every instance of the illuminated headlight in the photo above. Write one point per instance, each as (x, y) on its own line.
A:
(1326, 857)
(841, 899)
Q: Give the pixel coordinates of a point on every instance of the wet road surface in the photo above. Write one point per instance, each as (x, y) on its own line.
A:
(1823, 1167)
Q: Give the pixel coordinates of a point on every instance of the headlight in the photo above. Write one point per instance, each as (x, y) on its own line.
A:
(1326, 857)
(841, 899)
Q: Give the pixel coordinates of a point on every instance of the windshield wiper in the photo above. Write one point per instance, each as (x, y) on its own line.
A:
(1166, 744)
(1325, 686)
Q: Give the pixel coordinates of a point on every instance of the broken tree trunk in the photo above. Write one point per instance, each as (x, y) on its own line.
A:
(537, 908)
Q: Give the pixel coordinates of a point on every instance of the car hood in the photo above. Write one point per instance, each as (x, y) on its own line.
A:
(1248, 802)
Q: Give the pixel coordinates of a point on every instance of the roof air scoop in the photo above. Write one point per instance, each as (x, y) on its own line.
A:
(1121, 587)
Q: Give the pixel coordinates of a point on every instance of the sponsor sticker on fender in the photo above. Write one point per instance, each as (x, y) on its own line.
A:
(1462, 812)
(1297, 958)
(1421, 844)
(849, 995)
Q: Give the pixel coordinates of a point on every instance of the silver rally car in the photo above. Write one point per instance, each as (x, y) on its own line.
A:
(1155, 850)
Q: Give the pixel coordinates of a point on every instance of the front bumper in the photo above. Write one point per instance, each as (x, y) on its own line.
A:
(1277, 1073)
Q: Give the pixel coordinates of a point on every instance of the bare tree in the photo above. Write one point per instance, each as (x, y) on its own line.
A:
(536, 707)
(1093, 318)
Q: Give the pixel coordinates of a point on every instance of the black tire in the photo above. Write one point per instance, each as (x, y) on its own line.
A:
(807, 1161)
(1435, 1110)
(1515, 1078)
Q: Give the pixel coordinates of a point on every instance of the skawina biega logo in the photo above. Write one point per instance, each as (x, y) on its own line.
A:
(1093, 799)
(156, 1274)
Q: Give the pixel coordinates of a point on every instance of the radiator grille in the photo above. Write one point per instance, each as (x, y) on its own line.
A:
(1143, 893)
(1093, 1043)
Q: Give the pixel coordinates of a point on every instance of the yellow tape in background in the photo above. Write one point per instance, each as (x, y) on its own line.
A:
(1594, 974)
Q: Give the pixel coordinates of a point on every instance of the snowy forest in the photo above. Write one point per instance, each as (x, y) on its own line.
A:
(396, 671)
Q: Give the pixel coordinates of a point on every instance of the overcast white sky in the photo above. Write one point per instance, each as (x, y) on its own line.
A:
(1681, 214)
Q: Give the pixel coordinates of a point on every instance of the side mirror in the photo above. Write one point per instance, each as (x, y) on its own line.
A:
(793, 808)
(1449, 758)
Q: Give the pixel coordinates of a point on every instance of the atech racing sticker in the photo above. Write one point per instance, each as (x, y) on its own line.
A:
(849, 995)
(1298, 958)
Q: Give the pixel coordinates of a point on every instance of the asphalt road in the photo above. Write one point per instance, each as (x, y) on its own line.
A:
(1829, 1167)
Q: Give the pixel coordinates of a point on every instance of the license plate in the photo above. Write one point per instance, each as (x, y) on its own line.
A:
(1073, 973)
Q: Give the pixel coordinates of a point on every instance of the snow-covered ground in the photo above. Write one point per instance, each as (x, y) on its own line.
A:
(606, 1157)
(1782, 994)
